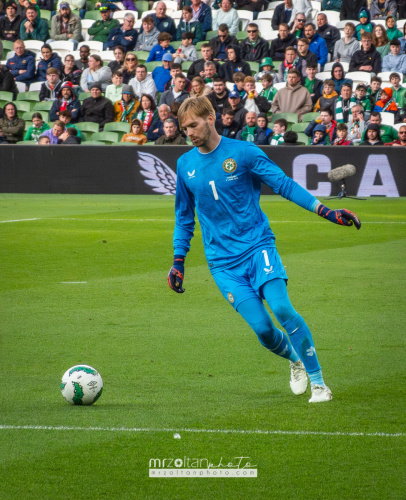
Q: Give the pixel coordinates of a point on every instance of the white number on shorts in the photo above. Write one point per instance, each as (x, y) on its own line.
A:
(213, 186)
(266, 257)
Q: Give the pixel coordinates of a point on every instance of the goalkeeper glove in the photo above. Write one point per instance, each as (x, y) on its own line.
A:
(343, 216)
(175, 276)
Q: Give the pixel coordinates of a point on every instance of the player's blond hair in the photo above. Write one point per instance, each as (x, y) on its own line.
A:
(198, 106)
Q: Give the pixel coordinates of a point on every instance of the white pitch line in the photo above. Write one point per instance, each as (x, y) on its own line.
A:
(19, 220)
(71, 282)
(201, 431)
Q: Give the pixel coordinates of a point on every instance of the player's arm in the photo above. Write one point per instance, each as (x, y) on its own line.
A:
(184, 230)
(281, 184)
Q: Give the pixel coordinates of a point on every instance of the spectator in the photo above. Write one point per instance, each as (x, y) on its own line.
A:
(36, 129)
(367, 59)
(199, 88)
(297, 27)
(96, 108)
(399, 92)
(100, 29)
(266, 67)
(114, 91)
(96, 72)
(351, 8)
(380, 40)
(174, 107)
(356, 124)
(379, 10)
(331, 5)
(126, 107)
(337, 76)
(70, 137)
(197, 67)
(163, 47)
(66, 25)
(279, 128)
(391, 28)
(386, 103)
(163, 22)
(294, 98)
(304, 6)
(220, 42)
(362, 98)
(22, 64)
(328, 98)
(188, 25)
(129, 67)
(49, 60)
(372, 136)
(162, 74)
(44, 141)
(283, 14)
(156, 129)
(305, 56)
(124, 35)
(178, 92)
(78, 7)
(70, 72)
(219, 96)
(326, 119)
(147, 112)
(402, 138)
(403, 39)
(148, 38)
(176, 69)
(365, 25)
(254, 48)
(344, 103)
(136, 134)
(202, 13)
(342, 133)
(23, 5)
(345, 48)
(83, 62)
(313, 84)
(228, 16)
(238, 79)
(319, 135)
(54, 133)
(209, 73)
(387, 132)
(262, 122)
(7, 82)
(50, 89)
(281, 43)
(187, 51)
(234, 101)
(268, 91)
(395, 61)
(66, 101)
(374, 91)
(119, 54)
(251, 100)
(291, 61)
(226, 126)
(10, 23)
(33, 27)
(66, 117)
(330, 33)
(143, 83)
(290, 139)
(317, 44)
(251, 132)
(172, 136)
(233, 64)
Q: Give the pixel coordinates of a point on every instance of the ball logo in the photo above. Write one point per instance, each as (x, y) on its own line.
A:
(178, 462)
(230, 297)
(229, 166)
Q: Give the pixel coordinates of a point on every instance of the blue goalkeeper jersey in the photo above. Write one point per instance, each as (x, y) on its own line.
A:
(224, 188)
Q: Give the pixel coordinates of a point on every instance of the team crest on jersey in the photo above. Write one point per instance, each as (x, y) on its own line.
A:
(229, 165)
(230, 297)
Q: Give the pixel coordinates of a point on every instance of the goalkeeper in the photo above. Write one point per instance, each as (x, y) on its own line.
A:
(221, 178)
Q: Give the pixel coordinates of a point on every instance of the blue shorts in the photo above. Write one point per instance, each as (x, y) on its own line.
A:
(245, 280)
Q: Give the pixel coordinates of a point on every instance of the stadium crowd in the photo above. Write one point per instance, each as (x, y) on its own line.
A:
(327, 72)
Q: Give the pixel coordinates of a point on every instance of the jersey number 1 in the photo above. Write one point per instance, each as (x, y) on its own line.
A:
(213, 186)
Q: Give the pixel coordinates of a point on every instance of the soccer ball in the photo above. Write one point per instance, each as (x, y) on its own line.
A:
(81, 385)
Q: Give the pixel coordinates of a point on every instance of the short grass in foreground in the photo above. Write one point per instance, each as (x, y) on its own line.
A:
(86, 283)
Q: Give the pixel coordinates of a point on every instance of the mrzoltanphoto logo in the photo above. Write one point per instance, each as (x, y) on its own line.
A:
(201, 467)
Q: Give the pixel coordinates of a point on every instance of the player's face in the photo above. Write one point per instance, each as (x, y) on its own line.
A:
(197, 129)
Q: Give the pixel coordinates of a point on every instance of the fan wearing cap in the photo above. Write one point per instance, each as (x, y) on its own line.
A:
(96, 108)
(77, 6)
(125, 109)
(372, 136)
(66, 25)
(66, 101)
(362, 98)
(386, 103)
(365, 25)
(10, 23)
(100, 30)
(162, 74)
(266, 66)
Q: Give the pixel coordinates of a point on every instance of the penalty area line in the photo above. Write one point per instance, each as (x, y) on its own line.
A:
(201, 431)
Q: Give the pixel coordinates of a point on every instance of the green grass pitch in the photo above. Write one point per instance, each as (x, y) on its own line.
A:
(83, 280)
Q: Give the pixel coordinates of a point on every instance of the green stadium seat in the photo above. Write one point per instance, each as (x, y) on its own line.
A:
(107, 137)
(91, 127)
(175, 45)
(31, 97)
(211, 34)
(94, 143)
(142, 6)
(125, 144)
(152, 65)
(143, 54)
(199, 45)
(22, 106)
(120, 127)
(308, 117)
(26, 143)
(299, 127)
(93, 14)
(83, 95)
(186, 65)
(45, 14)
(254, 67)
(302, 138)
(241, 35)
(289, 117)
(6, 96)
(43, 106)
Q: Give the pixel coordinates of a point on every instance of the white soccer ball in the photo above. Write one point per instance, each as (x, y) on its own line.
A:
(81, 385)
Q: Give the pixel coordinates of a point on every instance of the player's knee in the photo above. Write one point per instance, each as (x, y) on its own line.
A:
(283, 311)
(293, 323)
(265, 331)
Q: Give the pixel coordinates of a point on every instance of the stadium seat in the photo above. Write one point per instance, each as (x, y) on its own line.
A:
(152, 65)
(299, 127)
(142, 55)
(289, 117)
(120, 14)
(88, 127)
(31, 97)
(273, 5)
(265, 28)
(186, 65)
(93, 14)
(308, 117)
(6, 96)
(254, 67)
(324, 75)
(83, 95)
(266, 14)
(26, 143)
(33, 45)
(341, 24)
(359, 76)
(21, 86)
(176, 44)
(22, 106)
(388, 118)
(125, 144)
(120, 127)
(302, 138)
(384, 75)
(211, 34)
(35, 87)
(93, 45)
(7, 45)
(241, 35)
(333, 17)
(107, 137)
(279, 85)
(43, 106)
(141, 6)
(95, 143)
(398, 125)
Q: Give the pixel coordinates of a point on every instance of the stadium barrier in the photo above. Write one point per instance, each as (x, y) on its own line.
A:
(152, 170)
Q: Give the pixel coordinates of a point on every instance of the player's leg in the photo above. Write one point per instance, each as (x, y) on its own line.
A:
(275, 293)
(256, 315)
